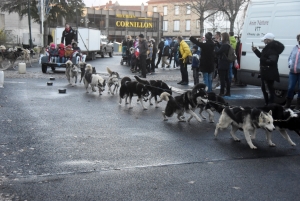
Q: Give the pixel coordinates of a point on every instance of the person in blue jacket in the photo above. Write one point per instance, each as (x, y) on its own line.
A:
(195, 64)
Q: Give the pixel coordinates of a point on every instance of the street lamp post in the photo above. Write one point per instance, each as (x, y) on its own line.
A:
(29, 24)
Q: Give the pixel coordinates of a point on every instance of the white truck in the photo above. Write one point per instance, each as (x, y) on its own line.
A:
(88, 40)
(280, 17)
(105, 47)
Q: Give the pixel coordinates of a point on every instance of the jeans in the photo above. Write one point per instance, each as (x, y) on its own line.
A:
(164, 61)
(158, 60)
(224, 79)
(153, 64)
(196, 75)
(143, 65)
(207, 79)
(270, 85)
(294, 78)
(184, 72)
(230, 72)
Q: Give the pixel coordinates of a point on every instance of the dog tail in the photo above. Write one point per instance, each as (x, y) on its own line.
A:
(141, 81)
(89, 67)
(69, 63)
(164, 96)
(229, 112)
(109, 71)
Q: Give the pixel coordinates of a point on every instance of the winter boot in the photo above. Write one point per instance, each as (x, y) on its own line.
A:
(298, 104)
(288, 103)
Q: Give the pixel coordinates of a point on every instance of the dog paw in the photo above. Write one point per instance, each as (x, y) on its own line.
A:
(126, 103)
(73, 85)
(253, 147)
(165, 119)
(130, 107)
(293, 144)
(272, 144)
(145, 108)
(112, 94)
(237, 140)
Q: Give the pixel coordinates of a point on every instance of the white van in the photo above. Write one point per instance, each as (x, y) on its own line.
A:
(280, 17)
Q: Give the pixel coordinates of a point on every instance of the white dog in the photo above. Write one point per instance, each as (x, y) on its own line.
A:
(93, 80)
(71, 72)
(113, 80)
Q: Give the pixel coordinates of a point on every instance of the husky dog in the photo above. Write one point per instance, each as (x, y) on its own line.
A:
(82, 66)
(246, 119)
(215, 102)
(283, 119)
(156, 87)
(71, 72)
(113, 79)
(186, 102)
(130, 88)
(93, 80)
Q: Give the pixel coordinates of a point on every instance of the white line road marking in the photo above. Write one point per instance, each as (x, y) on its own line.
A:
(12, 82)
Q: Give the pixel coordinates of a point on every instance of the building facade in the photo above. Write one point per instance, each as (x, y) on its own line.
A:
(17, 29)
(180, 20)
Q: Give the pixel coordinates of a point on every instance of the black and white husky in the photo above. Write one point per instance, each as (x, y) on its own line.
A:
(93, 80)
(246, 119)
(156, 87)
(113, 80)
(71, 72)
(187, 102)
(215, 102)
(284, 119)
(133, 88)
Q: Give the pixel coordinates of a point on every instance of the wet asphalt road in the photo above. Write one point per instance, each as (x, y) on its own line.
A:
(79, 146)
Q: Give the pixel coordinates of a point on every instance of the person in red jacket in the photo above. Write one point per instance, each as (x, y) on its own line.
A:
(61, 53)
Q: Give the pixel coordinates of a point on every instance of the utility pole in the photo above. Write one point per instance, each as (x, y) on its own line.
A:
(42, 21)
(29, 23)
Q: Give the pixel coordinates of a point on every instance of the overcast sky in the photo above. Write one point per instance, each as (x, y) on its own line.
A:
(121, 2)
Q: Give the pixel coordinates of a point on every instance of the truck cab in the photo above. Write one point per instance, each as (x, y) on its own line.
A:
(105, 47)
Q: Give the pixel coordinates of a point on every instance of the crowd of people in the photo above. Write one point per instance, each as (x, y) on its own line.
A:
(208, 57)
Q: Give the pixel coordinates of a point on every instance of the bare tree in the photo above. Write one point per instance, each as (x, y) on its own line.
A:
(203, 8)
(214, 22)
(230, 8)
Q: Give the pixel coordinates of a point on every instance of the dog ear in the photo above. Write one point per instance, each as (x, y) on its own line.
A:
(270, 112)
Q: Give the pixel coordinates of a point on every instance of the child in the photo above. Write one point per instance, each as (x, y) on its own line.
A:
(69, 52)
(53, 53)
(61, 53)
(195, 64)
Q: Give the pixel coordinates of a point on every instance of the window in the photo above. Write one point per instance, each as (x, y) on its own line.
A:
(187, 25)
(154, 8)
(188, 9)
(165, 10)
(176, 10)
(198, 24)
(176, 25)
(165, 25)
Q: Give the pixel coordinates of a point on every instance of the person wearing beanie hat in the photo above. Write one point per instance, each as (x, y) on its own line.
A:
(195, 64)
(268, 58)
(143, 48)
(53, 53)
(207, 59)
(68, 35)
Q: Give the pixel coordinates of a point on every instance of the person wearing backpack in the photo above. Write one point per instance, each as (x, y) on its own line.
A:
(195, 64)
(222, 51)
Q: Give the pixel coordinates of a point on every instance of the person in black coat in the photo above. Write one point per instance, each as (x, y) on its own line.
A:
(223, 64)
(160, 48)
(153, 55)
(128, 43)
(68, 35)
(268, 65)
(207, 59)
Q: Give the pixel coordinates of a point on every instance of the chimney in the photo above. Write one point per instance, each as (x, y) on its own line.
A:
(110, 2)
(142, 7)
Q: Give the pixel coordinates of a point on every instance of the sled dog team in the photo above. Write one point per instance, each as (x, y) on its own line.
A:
(268, 118)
